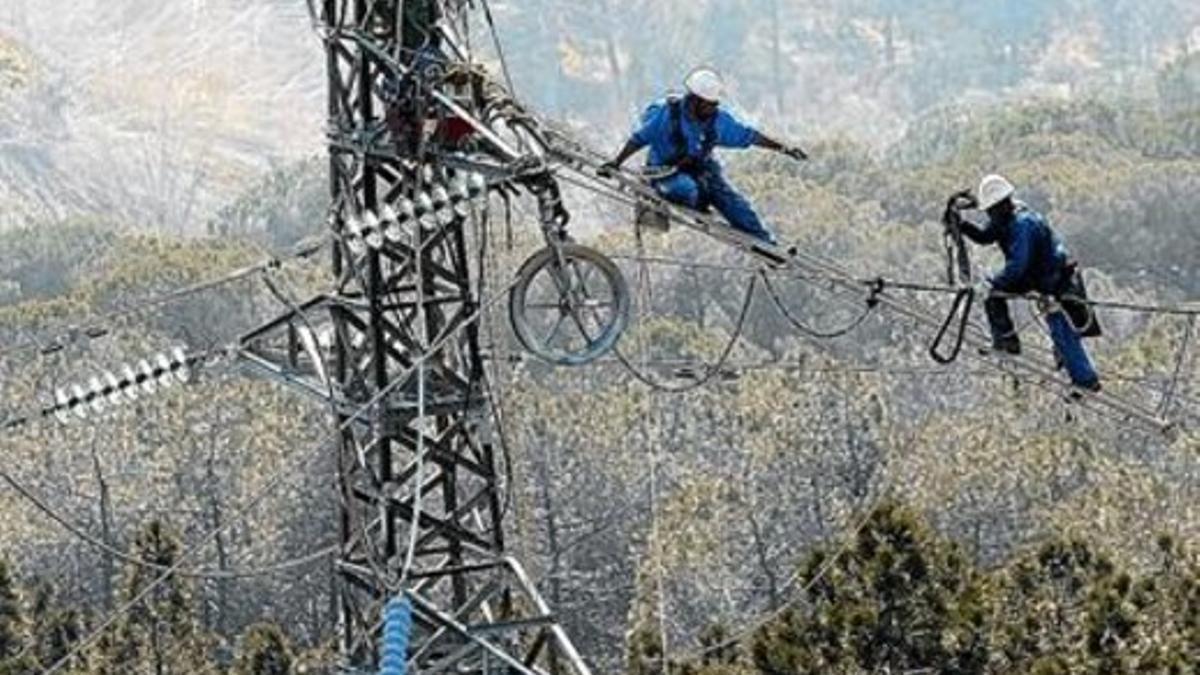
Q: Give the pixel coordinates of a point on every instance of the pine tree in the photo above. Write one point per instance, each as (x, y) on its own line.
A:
(898, 599)
(644, 646)
(15, 658)
(264, 651)
(159, 634)
(55, 628)
(12, 626)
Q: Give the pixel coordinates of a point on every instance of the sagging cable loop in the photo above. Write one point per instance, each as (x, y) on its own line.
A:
(963, 301)
(877, 287)
(712, 371)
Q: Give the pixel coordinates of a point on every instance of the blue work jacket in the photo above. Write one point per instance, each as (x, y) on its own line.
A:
(1035, 256)
(656, 130)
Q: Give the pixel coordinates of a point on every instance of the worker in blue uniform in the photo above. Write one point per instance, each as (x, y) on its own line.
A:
(1036, 261)
(681, 134)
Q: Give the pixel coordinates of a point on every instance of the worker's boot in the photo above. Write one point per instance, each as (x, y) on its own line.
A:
(1008, 344)
(1078, 390)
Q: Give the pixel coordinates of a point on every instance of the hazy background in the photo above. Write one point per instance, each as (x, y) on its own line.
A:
(146, 145)
(159, 112)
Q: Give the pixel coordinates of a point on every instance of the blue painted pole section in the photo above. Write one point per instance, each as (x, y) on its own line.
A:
(397, 627)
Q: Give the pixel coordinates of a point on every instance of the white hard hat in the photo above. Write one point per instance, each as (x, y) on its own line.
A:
(994, 189)
(705, 83)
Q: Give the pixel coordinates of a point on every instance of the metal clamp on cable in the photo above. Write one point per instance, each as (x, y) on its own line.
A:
(877, 287)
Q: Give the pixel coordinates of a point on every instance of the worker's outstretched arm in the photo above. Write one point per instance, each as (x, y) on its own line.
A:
(767, 143)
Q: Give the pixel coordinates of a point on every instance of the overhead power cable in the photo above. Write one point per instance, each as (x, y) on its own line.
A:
(877, 287)
(274, 481)
(578, 158)
(582, 161)
(770, 272)
(904, 285)
(100, 326)
(871, 303)
(79, 533)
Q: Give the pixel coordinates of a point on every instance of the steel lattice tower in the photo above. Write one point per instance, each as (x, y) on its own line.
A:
(420, 500)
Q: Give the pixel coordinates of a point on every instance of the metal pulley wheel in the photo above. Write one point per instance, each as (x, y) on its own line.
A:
(570, 304)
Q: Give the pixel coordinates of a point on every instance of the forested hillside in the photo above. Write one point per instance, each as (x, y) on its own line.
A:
(821, 506)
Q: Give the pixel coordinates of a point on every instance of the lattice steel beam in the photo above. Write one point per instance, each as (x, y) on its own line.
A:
(409, 115)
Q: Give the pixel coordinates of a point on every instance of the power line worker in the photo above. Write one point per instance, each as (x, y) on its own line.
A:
(1036, 260)
(682, 133)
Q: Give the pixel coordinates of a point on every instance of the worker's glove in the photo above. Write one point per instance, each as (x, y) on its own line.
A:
(983, 288)
(962, 200)
(796, 153)
(608, 169)
(958, 202)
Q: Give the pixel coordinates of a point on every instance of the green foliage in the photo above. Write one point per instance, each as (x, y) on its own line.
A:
(898, 599)
(20, 665)
(645, 651)
(1179, 83)
(264, 651)
(1070, 606)
(24, 642)
(47, 260)
(56, 626)
(159, 633)
(286, 206)
(12, 623)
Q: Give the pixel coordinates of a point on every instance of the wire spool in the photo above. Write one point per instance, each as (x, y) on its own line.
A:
(570, 305)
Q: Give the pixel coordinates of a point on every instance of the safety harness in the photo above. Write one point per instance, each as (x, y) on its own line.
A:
(708, 136)
(1070, 296)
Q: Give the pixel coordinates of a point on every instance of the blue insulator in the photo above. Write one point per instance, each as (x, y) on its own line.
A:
(397, 627)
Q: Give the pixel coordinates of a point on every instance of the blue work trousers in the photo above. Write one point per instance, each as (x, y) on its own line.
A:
(1067, 341)
(708, 187)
